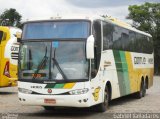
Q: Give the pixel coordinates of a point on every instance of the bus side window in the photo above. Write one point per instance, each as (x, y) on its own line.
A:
(1, 36)
(4, 36)
(108, 30)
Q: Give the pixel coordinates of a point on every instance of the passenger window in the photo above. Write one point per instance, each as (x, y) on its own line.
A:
(1, 36)
(108, 30)
(4, 36)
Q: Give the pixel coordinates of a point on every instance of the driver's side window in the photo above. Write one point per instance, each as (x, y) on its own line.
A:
(1, 36)
(97, 49)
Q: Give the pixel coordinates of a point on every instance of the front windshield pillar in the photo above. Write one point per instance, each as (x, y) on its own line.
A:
(34, 60)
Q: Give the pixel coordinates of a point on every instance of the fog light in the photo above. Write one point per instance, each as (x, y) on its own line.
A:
(22, 90)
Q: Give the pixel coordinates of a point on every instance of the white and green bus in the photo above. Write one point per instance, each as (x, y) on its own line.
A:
(115, 60)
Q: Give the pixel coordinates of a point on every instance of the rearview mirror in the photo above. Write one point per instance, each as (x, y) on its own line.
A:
(90, 47)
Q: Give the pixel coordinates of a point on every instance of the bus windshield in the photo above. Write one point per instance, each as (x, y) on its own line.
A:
(56, 60)
(56, 29)
(54, 51)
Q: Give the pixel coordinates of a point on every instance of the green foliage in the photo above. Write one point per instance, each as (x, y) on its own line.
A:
(10, 17)
(146, 17)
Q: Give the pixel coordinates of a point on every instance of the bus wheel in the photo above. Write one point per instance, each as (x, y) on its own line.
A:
(102, 107)
(49, 108)
(142, 91)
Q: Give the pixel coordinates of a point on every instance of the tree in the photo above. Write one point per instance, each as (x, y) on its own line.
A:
(146, 17)
(10, 18)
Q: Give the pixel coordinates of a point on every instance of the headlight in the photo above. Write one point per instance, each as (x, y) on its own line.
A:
(22, 90)
(79, 91)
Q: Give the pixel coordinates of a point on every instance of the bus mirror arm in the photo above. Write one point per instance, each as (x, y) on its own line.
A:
(18, 36)
(90, 47)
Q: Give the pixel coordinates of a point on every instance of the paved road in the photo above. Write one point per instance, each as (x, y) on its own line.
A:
(10, 107)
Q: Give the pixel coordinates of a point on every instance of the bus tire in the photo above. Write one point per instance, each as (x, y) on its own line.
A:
(102, 107)
(49, 108)
(141, 93)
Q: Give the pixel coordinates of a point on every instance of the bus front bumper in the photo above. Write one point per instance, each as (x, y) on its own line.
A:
(13, 81)
(82, 100)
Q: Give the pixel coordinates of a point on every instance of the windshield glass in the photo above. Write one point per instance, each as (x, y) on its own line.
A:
(56, 29)
(55, 60)
(71, 59)
(35, 56)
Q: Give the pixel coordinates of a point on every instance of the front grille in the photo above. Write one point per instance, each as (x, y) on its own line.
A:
(14, 55)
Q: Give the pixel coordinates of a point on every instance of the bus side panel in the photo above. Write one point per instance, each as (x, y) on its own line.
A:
(150, 82)
(4, 80)
(109, 73)
(0, 66)
(11, 57)
(13, 64)
(129, 68)
(133, 76)
(122, 72)
(143, 66)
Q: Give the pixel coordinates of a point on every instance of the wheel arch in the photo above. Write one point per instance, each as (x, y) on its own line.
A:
(109, 86)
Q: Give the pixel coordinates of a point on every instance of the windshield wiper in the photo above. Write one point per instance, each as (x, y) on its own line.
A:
(41, 64)
(58, 67)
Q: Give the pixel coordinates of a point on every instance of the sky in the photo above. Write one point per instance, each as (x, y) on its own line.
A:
(45, 9)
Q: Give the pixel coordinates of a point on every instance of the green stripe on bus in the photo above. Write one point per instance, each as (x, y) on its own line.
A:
(122, 72)
(59, 85)
(119, 72)
(55, 85)
(125, 71)
(50, 85)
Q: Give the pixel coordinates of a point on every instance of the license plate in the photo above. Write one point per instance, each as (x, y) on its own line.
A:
(50, 101)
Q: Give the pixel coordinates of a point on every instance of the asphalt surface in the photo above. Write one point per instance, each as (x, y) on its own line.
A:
(147, 107)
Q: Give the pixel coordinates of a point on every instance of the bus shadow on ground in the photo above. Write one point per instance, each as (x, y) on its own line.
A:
(81, 112)
(8, 90)
(124, 99)
(63, 113)
(7, 93)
